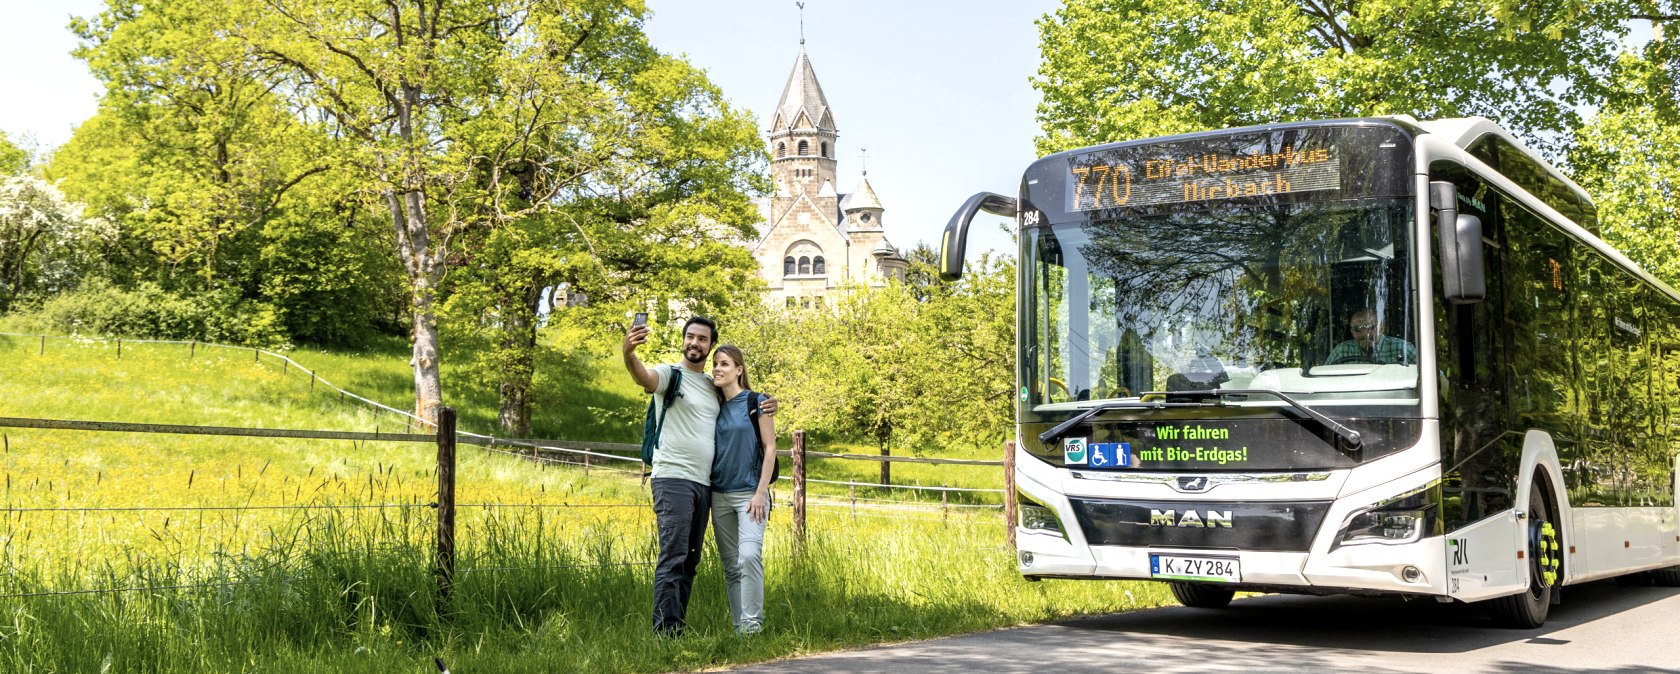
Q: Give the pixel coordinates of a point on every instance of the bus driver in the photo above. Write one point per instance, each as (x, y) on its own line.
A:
(1370, 345)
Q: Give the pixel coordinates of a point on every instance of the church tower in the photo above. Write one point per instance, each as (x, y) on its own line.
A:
(802, 136)
(814, 240)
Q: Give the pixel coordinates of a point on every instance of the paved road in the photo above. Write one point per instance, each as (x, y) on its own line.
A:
(1601, 628)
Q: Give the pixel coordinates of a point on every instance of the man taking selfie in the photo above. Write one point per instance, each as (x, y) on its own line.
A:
(682, 463)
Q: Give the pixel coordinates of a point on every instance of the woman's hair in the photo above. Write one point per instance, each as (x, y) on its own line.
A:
(734, 354)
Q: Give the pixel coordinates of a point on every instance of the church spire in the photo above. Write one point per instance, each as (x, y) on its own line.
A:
(802, 93)
(802, 134)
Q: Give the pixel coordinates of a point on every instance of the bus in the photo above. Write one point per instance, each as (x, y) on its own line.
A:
(1371, 356)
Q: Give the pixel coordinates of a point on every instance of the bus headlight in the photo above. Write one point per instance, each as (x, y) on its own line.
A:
(1036, 516)
(1403, 519)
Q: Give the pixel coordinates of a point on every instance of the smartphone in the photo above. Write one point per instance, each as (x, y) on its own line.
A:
(641, 319)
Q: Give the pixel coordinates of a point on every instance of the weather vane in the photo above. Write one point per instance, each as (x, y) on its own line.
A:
(801, 23)
(863, 159)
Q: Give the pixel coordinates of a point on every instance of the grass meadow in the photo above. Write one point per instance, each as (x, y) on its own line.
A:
(282, 555)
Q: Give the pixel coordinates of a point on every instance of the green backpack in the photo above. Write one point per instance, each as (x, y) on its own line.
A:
(655, 421)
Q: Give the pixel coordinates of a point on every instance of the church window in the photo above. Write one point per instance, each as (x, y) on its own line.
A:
(781, 150)
(864, 217)
(817, 266)
(787, 266)
(825, 149)
(790, 302)
(804, 148)
(806, 303)
(804, 265)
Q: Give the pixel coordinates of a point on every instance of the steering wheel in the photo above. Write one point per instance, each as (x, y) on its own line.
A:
(1351, 359)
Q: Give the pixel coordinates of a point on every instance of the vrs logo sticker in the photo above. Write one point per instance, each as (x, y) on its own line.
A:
(1073, 451)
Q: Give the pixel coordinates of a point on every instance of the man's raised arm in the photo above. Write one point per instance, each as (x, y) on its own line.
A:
(647, 378)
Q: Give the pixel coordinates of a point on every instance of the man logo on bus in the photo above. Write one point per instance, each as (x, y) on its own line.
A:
(1170, 518)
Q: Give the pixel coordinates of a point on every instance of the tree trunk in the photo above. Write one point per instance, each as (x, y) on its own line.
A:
(424, 267)
(16, 270)
(519, 338)
(886, 466)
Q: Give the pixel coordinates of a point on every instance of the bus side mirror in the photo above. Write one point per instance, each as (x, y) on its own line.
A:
(954, 244)
(1463, 278)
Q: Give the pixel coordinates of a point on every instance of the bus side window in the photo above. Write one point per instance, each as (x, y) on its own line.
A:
(1541, 285)
(1595, 468)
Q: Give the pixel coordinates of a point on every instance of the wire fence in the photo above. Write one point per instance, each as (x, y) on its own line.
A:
(575, 455)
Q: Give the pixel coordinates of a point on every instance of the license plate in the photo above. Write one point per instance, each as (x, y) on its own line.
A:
(1186, 567)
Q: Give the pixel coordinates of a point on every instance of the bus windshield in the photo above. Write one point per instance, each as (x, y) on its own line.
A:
(1313, 297)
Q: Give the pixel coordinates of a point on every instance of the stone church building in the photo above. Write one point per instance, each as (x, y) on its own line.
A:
(815, 240)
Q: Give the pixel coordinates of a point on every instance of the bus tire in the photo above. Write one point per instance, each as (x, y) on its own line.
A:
(1669, 577)
(1527, 610)
(1197, 595)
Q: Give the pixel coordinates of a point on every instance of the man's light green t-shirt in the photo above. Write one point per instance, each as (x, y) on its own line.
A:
(689, 439)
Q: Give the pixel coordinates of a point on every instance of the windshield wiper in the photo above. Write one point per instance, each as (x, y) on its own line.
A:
(1062, 428)
(1348, 435)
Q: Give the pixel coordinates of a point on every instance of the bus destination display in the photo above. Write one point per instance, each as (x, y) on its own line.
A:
(1157, 176)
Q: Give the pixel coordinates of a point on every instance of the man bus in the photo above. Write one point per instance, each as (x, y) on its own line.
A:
(1185, 414)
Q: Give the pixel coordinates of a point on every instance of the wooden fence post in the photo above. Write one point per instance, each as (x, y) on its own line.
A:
(1009, 493)
(43, 346)
(852, 489)
(119, 348)
(192, 352)
(445, 571)
(945, 505)
(799, 490)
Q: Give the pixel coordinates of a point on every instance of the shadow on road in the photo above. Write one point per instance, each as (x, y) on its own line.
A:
(1372, 624)
(1291, 634)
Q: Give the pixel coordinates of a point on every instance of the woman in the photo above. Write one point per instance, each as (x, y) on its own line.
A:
(742, 470)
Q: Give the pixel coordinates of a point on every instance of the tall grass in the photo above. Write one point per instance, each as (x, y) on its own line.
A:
(303, 586)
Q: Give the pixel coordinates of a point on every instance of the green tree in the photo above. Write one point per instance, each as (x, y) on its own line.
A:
(47, 243)
(1627, 156)
(896, 370)
(460, 117)
(13, 159)
(660, 223)
(1121, 69)
(218, 188)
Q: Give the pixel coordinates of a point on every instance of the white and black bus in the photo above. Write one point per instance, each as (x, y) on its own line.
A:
(1369, 356)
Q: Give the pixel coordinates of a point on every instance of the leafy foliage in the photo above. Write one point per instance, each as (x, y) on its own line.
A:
(217, 187)
(149, 311)
(47, 242)
(1628, 158)
(883, 364)
(13, 159)
(1121, 69)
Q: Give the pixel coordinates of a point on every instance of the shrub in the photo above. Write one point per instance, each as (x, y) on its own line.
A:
(150, 312)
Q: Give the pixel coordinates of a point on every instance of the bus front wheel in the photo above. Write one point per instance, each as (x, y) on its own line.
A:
(1197, 595)
(1528, 610)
